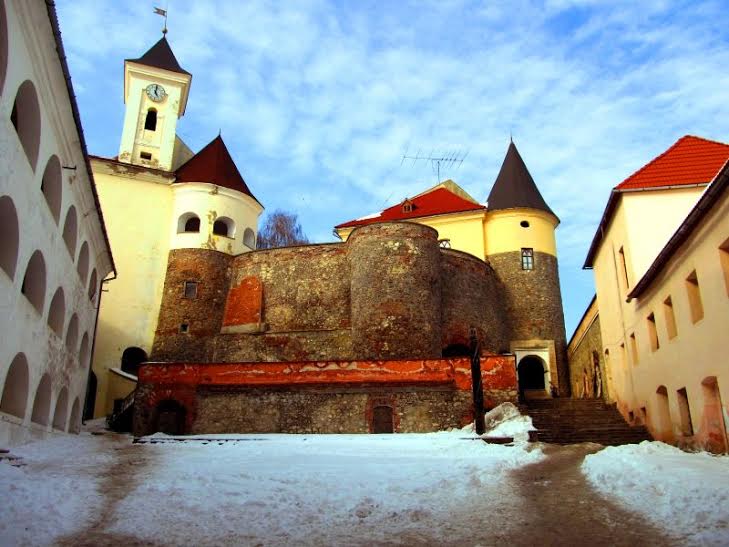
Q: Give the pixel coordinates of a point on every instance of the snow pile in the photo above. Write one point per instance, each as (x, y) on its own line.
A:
(54, 491)
(316, 489)
(505, 420)
(685, 494)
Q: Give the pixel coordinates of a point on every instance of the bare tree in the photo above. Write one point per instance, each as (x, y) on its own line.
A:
(281, 229)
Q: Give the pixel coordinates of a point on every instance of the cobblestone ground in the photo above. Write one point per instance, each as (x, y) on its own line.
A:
(553, 505)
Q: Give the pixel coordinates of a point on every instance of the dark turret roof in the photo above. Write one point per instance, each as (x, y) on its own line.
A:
(160, 56)
(214, 165)
(515, 187)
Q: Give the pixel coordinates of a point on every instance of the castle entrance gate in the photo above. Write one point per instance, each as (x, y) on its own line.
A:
(531, 373)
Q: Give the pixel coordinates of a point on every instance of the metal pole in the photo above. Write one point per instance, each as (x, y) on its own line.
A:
(476, 383)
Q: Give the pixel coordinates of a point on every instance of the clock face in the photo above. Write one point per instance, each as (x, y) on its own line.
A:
(156, 92)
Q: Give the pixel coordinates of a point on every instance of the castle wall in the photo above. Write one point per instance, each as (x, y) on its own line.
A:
(472, 297)
(533, 304)
(396, 291)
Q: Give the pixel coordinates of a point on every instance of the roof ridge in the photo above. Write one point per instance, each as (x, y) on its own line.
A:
(663, 154)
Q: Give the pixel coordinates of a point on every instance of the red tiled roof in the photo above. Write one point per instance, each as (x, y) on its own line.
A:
(691, 160)
(440, 201)
(214, 165)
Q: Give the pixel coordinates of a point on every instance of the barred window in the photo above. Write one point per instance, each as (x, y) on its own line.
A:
(527, 259)
(190, 289)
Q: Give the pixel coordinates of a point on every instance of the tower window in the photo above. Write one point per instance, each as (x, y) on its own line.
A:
(192, 225)
(444, 243)
(527, 259)
(145, 156)
(150, 122)
(524, 224)
(190, 289)
(184, 328)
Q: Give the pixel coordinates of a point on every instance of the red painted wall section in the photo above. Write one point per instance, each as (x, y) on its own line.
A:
(244, 303)
(498, 372)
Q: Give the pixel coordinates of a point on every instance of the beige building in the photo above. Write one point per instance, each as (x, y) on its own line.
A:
(661, 265)
(54, 252)
(157, 196)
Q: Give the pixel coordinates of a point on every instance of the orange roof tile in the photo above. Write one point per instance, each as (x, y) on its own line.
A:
(691, 160)
(440, 201)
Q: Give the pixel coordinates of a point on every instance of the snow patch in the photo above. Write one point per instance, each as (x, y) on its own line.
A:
(686, 494)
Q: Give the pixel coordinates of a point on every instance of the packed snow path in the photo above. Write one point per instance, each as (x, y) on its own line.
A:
(432, 489)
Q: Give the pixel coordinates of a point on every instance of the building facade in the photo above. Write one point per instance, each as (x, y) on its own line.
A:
(660, 265)
(158, 196)
(54, 253)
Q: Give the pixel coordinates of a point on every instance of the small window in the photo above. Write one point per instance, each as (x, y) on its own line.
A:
(407, 206)
(190, 289)
(150, 122)
(145, 156)
(623, 268)
(527, 259)
(634, 348)
(652, 332)
(220, 228)
(623, 356)
(687, 427)
(694, 297)
(724, 258)
(643, 415)
(670, 318)
(631, 417)
(192, 225)
(524, 224)
(444, 243)
(249, 238)
(184, 328)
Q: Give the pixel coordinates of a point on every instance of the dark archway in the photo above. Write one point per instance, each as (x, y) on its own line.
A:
(382, 419)
(531, 374)
(170, 418)
(90, 402)
(457, 350)
(131, 359)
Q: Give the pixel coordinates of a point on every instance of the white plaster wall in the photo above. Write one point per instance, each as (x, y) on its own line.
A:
(210, 202)
(33, 56)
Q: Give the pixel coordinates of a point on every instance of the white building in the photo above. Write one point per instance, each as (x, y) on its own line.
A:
(54, 252)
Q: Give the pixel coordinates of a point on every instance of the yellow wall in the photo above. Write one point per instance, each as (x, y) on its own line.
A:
(504, 233)
(137, 212)
(697, 351)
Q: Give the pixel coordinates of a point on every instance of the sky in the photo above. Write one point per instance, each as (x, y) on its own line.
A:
(319, 100)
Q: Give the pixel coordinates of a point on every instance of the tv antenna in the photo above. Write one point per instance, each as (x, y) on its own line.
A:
(446, 159)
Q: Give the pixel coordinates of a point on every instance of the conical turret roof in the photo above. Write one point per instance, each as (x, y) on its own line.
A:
(160, 56)
(214, 165)
(514, 187)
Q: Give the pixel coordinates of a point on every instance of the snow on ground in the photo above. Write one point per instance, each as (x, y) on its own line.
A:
(54, 491)
(315, 489)
(686, 494)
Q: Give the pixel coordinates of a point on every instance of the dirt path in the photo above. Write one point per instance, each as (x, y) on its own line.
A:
(561, 508)
(117, 481)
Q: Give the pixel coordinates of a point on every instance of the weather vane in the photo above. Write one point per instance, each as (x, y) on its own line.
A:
(163, 13)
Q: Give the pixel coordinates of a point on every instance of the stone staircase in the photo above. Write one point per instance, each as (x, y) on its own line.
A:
(568, 421)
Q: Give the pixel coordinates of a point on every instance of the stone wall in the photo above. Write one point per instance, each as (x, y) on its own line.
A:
(588, 375)
(472, 297)
(533, 302)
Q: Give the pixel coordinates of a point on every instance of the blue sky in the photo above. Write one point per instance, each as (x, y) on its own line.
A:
(318, 100)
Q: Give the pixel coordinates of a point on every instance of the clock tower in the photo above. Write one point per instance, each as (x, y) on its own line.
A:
(156, 88)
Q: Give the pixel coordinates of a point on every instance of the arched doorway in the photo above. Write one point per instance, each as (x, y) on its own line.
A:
(170, 418)
(90, 402)
(131, 359)
(531, 371)
(382, 419)
(714, 426)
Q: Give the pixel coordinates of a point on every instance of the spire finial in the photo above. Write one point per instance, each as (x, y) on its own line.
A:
(163, 13)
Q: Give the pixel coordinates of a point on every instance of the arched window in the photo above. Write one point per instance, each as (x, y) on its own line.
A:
(70, 230)
(3, 45)
(72, 334)
(42, 401)
(131, 359)
(74, 425)
(224, 226)
(249, 238)
(189, 222)
(61, 412)
(83, 353)
(57, 312)
(92, 285)
(9, 236)
(82, 267)
(34, 281)
(25, 117)
(51, 186)
(15, 390)
(150, 122)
